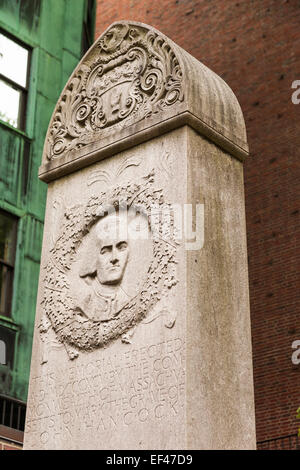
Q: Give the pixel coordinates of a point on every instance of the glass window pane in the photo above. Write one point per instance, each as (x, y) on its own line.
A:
(9, 104)
(13, 60)
(7, 338)
(8, 231)
(6, 283)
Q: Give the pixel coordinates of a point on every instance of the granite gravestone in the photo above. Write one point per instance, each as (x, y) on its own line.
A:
(142, 335)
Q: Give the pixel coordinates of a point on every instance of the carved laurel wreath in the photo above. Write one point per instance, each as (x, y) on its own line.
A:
(135, 74)
(58, 305)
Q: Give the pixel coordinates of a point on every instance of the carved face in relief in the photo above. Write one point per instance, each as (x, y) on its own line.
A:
(104, 287)
(113, 249)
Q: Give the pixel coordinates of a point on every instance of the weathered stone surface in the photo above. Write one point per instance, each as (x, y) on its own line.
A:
(142, 337)
(132, 85)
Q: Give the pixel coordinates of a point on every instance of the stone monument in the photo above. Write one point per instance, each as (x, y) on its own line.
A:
(142, 336)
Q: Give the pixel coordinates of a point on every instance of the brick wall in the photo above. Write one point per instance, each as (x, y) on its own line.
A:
(255, 46)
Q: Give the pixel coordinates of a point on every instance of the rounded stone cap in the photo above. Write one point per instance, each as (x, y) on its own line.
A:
(134, 84)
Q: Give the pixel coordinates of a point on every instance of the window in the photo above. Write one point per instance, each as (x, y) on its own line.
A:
(7, 349)
(8, 235)
(14, 68)
(2, 352)
(87, 28)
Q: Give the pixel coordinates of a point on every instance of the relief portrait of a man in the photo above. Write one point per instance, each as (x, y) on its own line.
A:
(104, 295)
(110, 267)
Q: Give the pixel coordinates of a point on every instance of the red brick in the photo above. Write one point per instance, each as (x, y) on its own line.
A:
(7, 447)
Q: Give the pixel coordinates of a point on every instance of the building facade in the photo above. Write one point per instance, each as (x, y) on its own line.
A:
(41, 41)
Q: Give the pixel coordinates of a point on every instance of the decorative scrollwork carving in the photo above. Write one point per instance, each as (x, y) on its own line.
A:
(134, 75)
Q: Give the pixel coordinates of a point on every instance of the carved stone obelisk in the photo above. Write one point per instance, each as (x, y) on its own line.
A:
(142, 336)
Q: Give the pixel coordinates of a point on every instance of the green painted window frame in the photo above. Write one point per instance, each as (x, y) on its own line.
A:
(9, 266)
